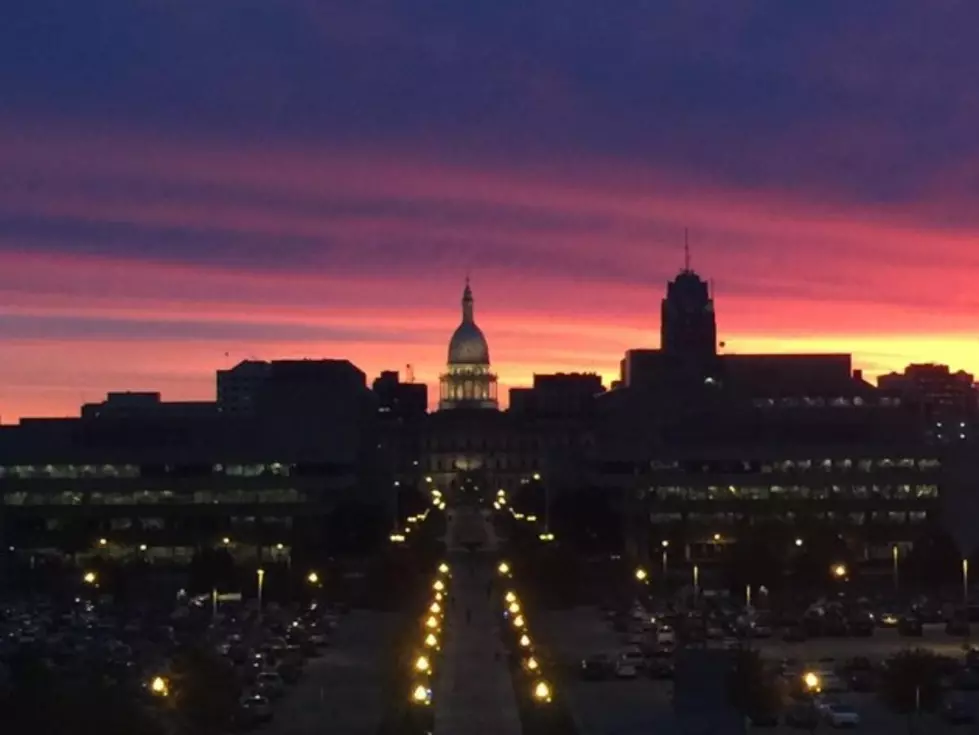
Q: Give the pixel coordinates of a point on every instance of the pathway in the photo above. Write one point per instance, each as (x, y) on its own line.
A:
(474, 694)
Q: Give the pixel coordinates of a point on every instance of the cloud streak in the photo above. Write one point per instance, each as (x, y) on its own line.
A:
(314, 178)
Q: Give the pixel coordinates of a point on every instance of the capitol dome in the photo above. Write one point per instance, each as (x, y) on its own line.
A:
(468, 382)
(468, 346)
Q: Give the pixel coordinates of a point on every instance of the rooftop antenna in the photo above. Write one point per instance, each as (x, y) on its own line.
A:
(686, 250)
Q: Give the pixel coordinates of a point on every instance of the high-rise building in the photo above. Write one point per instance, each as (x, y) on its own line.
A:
(688, 329)
(468, 381)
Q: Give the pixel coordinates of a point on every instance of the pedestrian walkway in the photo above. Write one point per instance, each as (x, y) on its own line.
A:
(474, 693)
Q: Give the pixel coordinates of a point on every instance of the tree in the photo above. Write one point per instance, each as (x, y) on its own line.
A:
(753, 689)
(911, 680)
(204, 690)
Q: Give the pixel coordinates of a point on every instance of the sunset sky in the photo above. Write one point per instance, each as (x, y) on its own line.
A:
(313, 178)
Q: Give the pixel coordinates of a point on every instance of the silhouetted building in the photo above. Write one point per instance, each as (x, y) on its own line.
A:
(688, 329)
(146, 405)
(402, 400)
(561, 394)
(936, 391)
(238, 387)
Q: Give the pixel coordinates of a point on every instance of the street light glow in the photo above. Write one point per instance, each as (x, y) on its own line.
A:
(159, 686)
(510, 597)
(839, 571)
(525, 641)
(504, 568)
(542, 692)
(90, 578)
(641, 574)
(422, 664)
(313, 578)
(439, 585)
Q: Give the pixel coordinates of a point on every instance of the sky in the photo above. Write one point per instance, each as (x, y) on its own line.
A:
(186, 184)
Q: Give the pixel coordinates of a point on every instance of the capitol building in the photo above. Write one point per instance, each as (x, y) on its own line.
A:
(468, 381)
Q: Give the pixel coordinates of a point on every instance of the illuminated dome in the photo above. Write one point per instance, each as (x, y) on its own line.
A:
(468, 346)
(468, 382)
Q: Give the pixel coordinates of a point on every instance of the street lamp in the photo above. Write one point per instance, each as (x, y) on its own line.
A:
(421, 695)
(261, 584)
(812, 681)
(895, 553)
(524, 641)
(503, 568)
(518, 622)
(431, 641)
(90, 578)
(510, 597)
(438, 585)
(641, 574)
(313, 578)
(422, 665)
(160, 686)
(514, 607)
(542, 692)
(839, 571)
(798, 542)
(443, 568)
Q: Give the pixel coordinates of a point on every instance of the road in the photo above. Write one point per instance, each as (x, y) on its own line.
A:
(342, 690)
(474, 691)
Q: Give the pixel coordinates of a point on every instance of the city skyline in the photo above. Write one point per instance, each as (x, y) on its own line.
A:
(155, 216)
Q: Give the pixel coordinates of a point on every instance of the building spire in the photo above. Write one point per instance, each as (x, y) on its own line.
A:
(686, 250)
(467, 302)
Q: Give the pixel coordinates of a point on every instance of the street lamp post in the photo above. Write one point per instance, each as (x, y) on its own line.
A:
(895, 553)
(261, 584)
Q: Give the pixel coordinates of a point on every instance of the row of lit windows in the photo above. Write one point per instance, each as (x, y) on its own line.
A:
(724, 520)
(817, 402)
(451, 464)
(820, 492)
(801, 465)
(71, 471)
(155, 497)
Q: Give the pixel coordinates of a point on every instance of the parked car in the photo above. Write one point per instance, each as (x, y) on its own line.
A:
(957, 712)
(841, 715)
(596, 668)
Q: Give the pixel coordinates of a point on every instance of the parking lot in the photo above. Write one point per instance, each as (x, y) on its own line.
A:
(642, 705)
(342, 690)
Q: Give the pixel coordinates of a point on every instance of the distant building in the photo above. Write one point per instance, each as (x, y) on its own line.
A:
(146, 405)
(397, 399)
(561, 394)
(935, 390)
(468, 381)
(688, 328)
(238, 387)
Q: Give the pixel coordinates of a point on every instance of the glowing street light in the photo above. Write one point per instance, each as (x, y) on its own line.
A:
(812, 681)
(435, 608)
(443, 568)
(422, 665)
(90, 578)
(103, 542)
(514, 607)
(422, 695)
(641, 574)
(531, 664)
(524, 641)
(839, 571)
(431, 641)
(518, 622)
(313, 578)
(798, 542)
(510, 597)
(503, 568)
(542, 692)
(226, 541)
(160, 686)
(438, 585)
(432, 623)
